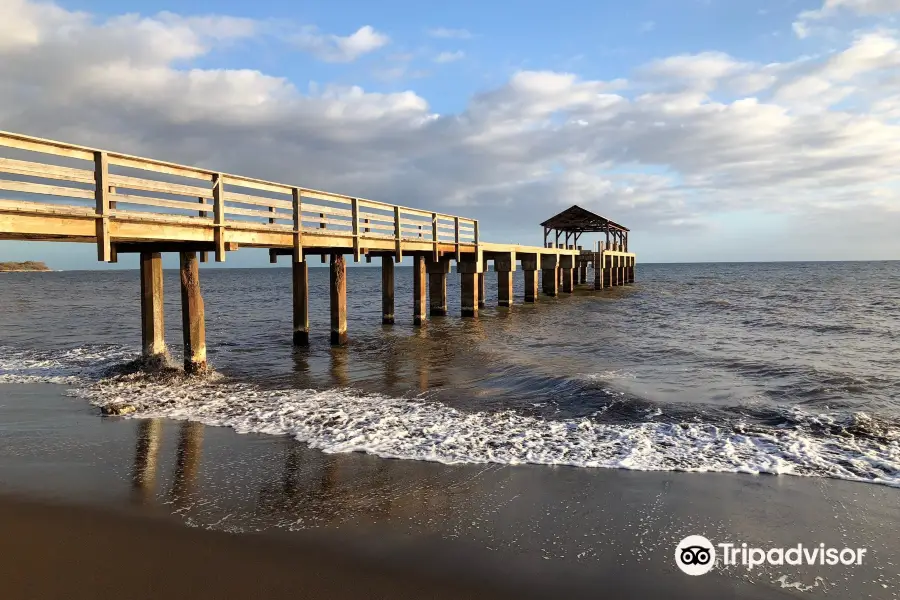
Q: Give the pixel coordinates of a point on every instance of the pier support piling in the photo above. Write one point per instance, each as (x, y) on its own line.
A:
(419, 292)
(300, 276)
(550, 274)
(152, 316)
(437, 287)
(567, 266)
(505, 265)
(468, 287)
(530, 267)
(582, 276)
(481, 293)
(193, 316)
(338, 293)
(387, 290)
(504, 288)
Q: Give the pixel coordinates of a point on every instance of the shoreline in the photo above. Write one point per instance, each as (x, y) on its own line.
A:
(486, 527)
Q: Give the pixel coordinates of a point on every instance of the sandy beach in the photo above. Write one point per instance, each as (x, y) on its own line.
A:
(169, 504)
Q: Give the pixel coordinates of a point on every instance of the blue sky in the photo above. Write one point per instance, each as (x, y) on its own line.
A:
(717, 130)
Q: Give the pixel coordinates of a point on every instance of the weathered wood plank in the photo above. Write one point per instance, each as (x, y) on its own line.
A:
(138, 215)
(338, 294)
(257, 184)
(257, 200)
(327, 196)
(23, 142)
(152, 314)
(161, 202)
(154, 166)
(32, 169)
(149, 185)
(249, 212)
(300, 279)
(24, 206)
(101, 197)
(193, 315)
(45, 189)
(389, 219)
(387, 290)
(326, 210)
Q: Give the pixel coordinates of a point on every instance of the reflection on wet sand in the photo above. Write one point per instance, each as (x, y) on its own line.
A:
(146, 461)
(146, 453)
(187, 463)
(313, 489)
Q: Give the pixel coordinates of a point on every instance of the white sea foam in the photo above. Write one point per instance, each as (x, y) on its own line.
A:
(343, 420)
(336, 421)
(70, 366)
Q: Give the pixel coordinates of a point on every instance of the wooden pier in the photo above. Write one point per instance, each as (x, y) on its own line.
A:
(54, 191)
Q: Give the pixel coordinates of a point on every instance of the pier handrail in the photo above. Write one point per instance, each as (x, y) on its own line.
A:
(53, 177)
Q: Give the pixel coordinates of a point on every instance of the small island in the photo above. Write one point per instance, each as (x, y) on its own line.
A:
(28, 265)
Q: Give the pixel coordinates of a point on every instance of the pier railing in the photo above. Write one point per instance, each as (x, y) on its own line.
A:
(54, 178)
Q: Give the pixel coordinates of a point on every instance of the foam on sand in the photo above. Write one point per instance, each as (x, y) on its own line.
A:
(855, 447)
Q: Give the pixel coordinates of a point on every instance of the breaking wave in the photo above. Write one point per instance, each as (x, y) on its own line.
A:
(852, 446)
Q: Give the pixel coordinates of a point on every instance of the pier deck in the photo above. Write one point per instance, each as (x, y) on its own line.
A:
(54, 191)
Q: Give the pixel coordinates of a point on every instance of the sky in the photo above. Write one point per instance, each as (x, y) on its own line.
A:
(717, 130)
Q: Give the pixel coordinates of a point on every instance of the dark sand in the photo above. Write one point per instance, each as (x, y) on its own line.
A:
(268, 517)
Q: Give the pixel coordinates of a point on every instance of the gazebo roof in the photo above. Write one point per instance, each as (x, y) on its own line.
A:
(577, 219)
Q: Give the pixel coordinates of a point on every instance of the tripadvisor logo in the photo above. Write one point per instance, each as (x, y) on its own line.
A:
(696, 555)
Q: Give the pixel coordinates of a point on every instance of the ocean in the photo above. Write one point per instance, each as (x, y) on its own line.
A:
(772, 368)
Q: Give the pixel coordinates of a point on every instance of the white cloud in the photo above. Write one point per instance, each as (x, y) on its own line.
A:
(334, 48)
(832, 8)
(647, 26)
(448, 57)
(451, 34)
(679, 144)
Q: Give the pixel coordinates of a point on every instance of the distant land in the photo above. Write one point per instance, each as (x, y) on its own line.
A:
(28, 265)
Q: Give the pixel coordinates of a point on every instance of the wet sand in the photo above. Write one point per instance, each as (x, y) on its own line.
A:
(112, 507)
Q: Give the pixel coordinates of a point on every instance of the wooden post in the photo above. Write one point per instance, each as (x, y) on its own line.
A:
(582, 276)
(598, 270)
(567, 266)
(398, 249)
(101, 197)
(434, 237)
(219, 216)
(607, 271)
(456, 238)
(481, 292)
(354, 219)
(437, 287)
(419, 295)
(193, 317)
(504, 288)
(153, 331)
(204, 256)
(531, 285)
(387, 290)
(550, 274)
(505, 265)
(297, 209)
(468, 289)
(338, 289)
(300, 277)
(531, 265)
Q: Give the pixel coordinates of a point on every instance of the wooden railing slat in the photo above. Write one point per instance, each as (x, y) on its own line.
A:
(149, 185)
(32, 169)
(258, 200)
(161, 202)
(249, 212)
(48, 190)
